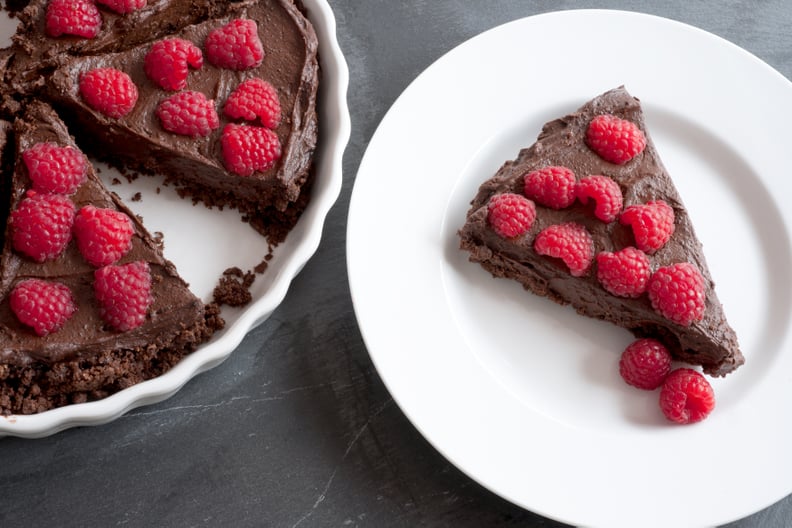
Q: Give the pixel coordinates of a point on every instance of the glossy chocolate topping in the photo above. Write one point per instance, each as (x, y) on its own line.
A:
(138, 139)
(84, 335)
(710, 342)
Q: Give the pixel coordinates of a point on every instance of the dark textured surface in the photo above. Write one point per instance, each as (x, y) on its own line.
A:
(296, 429)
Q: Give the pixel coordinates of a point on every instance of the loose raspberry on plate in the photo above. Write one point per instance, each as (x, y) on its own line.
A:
(168, 63)
(605, 192)
(109, 91)
(652, 224)
(677, 293)
(510, 214)
(123, 7)
(247, 149)
(45, 306)
(41, 225)
(645, 363)
(570, 242)
(615, 140)
(103, 235)
(686, 396)
(235, 46)
(624, 273)
(124, 294)
(552, 187)
(55, 169)
(79, 18)
(188, 113)
(254, 98)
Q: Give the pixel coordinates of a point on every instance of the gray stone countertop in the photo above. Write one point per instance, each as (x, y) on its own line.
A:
(296, 427)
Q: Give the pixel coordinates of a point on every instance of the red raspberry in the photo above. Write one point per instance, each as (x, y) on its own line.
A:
(235, 46)
(42, 225)
(109, 91)
(605, 192)
(652, 224)
(80, 18)
(553, 187)
(247, 149)
(168, 63)
(686, 396)
(510, 215)
(55, 169)
(624, 273)
(615, 140)
(645, 363)
(255, 98)
(124, 294)
(42, 305)
(570, 242)
(677, 293)
(188, 113)
(123, 7)
(103, 235)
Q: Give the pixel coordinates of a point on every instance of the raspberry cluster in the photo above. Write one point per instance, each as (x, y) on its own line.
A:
(44, 223)
(249, 144)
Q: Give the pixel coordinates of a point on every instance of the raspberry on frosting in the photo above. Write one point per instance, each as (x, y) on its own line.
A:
(235, 46)
(41, 225)
(552, 187)
(510, 214)
(44, 306)
(248, 149)
(168, 63)
(55, 169)
(605, 192)
(123, 7)
(570, 242)
(615, 140)
(624, 273)
(652, 224)
(79, 18)
(677, 293)
(124, 294)
(103, 235)
(254, 98)
(188, 113)
(109, 91)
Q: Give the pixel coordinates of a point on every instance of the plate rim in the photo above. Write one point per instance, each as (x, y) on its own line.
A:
(354, 233)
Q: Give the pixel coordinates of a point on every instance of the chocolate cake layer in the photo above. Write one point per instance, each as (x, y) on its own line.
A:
(711, 342)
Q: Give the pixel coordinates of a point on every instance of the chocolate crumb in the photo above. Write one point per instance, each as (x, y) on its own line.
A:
(233, 288)
(116, 181)
(137, 197)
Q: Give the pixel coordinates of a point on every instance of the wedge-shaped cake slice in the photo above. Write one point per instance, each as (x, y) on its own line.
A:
(88, 303)
(239, 130)
(588, 216)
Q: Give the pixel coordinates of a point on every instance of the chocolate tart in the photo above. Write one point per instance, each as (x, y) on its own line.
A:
(86, 360)
(710, 342)
(271, 199)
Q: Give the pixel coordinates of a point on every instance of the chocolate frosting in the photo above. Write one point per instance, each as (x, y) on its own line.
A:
(84, 335)
(711, 342)
(139, 141)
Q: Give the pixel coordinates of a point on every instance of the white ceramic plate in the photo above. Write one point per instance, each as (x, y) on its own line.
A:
(226, 242)
(521, 394)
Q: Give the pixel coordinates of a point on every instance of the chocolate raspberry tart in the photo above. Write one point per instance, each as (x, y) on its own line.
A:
(88, 355)
(588, 216)
(217, 97)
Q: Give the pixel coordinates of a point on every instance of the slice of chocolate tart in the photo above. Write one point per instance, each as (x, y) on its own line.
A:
(238, 128)
(88, 303)
(588, 216)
